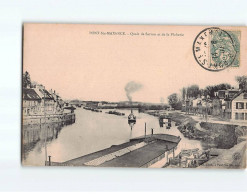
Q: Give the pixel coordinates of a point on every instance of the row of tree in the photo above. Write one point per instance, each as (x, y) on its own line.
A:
(194, 91)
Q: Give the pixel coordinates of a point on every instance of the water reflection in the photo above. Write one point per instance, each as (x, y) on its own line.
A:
(131, 124)
(39, 135)
(92, 131)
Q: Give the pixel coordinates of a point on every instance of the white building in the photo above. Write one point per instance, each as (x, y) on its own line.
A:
(38, 101)
(31, 102)
(239, 106)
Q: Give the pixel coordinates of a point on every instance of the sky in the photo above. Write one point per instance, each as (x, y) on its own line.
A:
(80, 65)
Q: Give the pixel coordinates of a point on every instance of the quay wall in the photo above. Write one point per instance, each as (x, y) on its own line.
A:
(219, 135)
(50, 118)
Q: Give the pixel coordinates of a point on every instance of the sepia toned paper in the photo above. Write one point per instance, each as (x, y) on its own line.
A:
(150, 96)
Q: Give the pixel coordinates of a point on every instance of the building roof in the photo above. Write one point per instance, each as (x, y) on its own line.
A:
(237, 94)
(30, 94)
(229, 90)
(137, 152)
(36, 94)
(45, 94)
(141, 156)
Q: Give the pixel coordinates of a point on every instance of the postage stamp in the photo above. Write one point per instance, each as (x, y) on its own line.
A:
(236, 37)
(215, 49)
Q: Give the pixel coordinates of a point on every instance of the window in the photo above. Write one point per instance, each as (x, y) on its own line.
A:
(229, 105)
(221, 94)
(231, 94)
(241, 116)
(245, 95)
(236, 116)
(245, 116)
(239, 105)
(230, 115)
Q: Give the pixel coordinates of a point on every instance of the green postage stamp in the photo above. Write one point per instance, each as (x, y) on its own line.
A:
(216, 49)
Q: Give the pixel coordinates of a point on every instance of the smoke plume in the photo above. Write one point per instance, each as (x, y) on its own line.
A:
(131, 87)
(162, 100)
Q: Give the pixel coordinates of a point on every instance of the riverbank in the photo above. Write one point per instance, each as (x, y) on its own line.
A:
(217, 135)
(234, 158)
(227, 142)
(49, 118)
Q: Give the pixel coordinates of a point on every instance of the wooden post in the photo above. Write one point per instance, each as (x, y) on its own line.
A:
(49, 160)
(145, 129)
(206, 111)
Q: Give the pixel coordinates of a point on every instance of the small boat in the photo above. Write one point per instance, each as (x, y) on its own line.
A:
(115, 113)
(72, 108)
(92, 109)
(87, 108)
(165, 119)
(131, 117)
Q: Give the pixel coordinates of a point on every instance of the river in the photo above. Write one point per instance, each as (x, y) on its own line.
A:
(92, 131)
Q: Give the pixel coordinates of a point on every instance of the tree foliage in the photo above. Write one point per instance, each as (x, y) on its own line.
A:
(193, 91)
(184, 93)
(26, 80)
(174, 101)
(242, 81)
(211, 89)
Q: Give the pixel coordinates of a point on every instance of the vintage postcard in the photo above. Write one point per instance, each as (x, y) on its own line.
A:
(148, 96)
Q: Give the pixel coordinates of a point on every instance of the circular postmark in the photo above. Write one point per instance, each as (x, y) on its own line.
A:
(236, 156)
(214, 49)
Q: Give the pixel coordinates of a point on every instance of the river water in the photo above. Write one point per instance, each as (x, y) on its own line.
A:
(92, 131)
